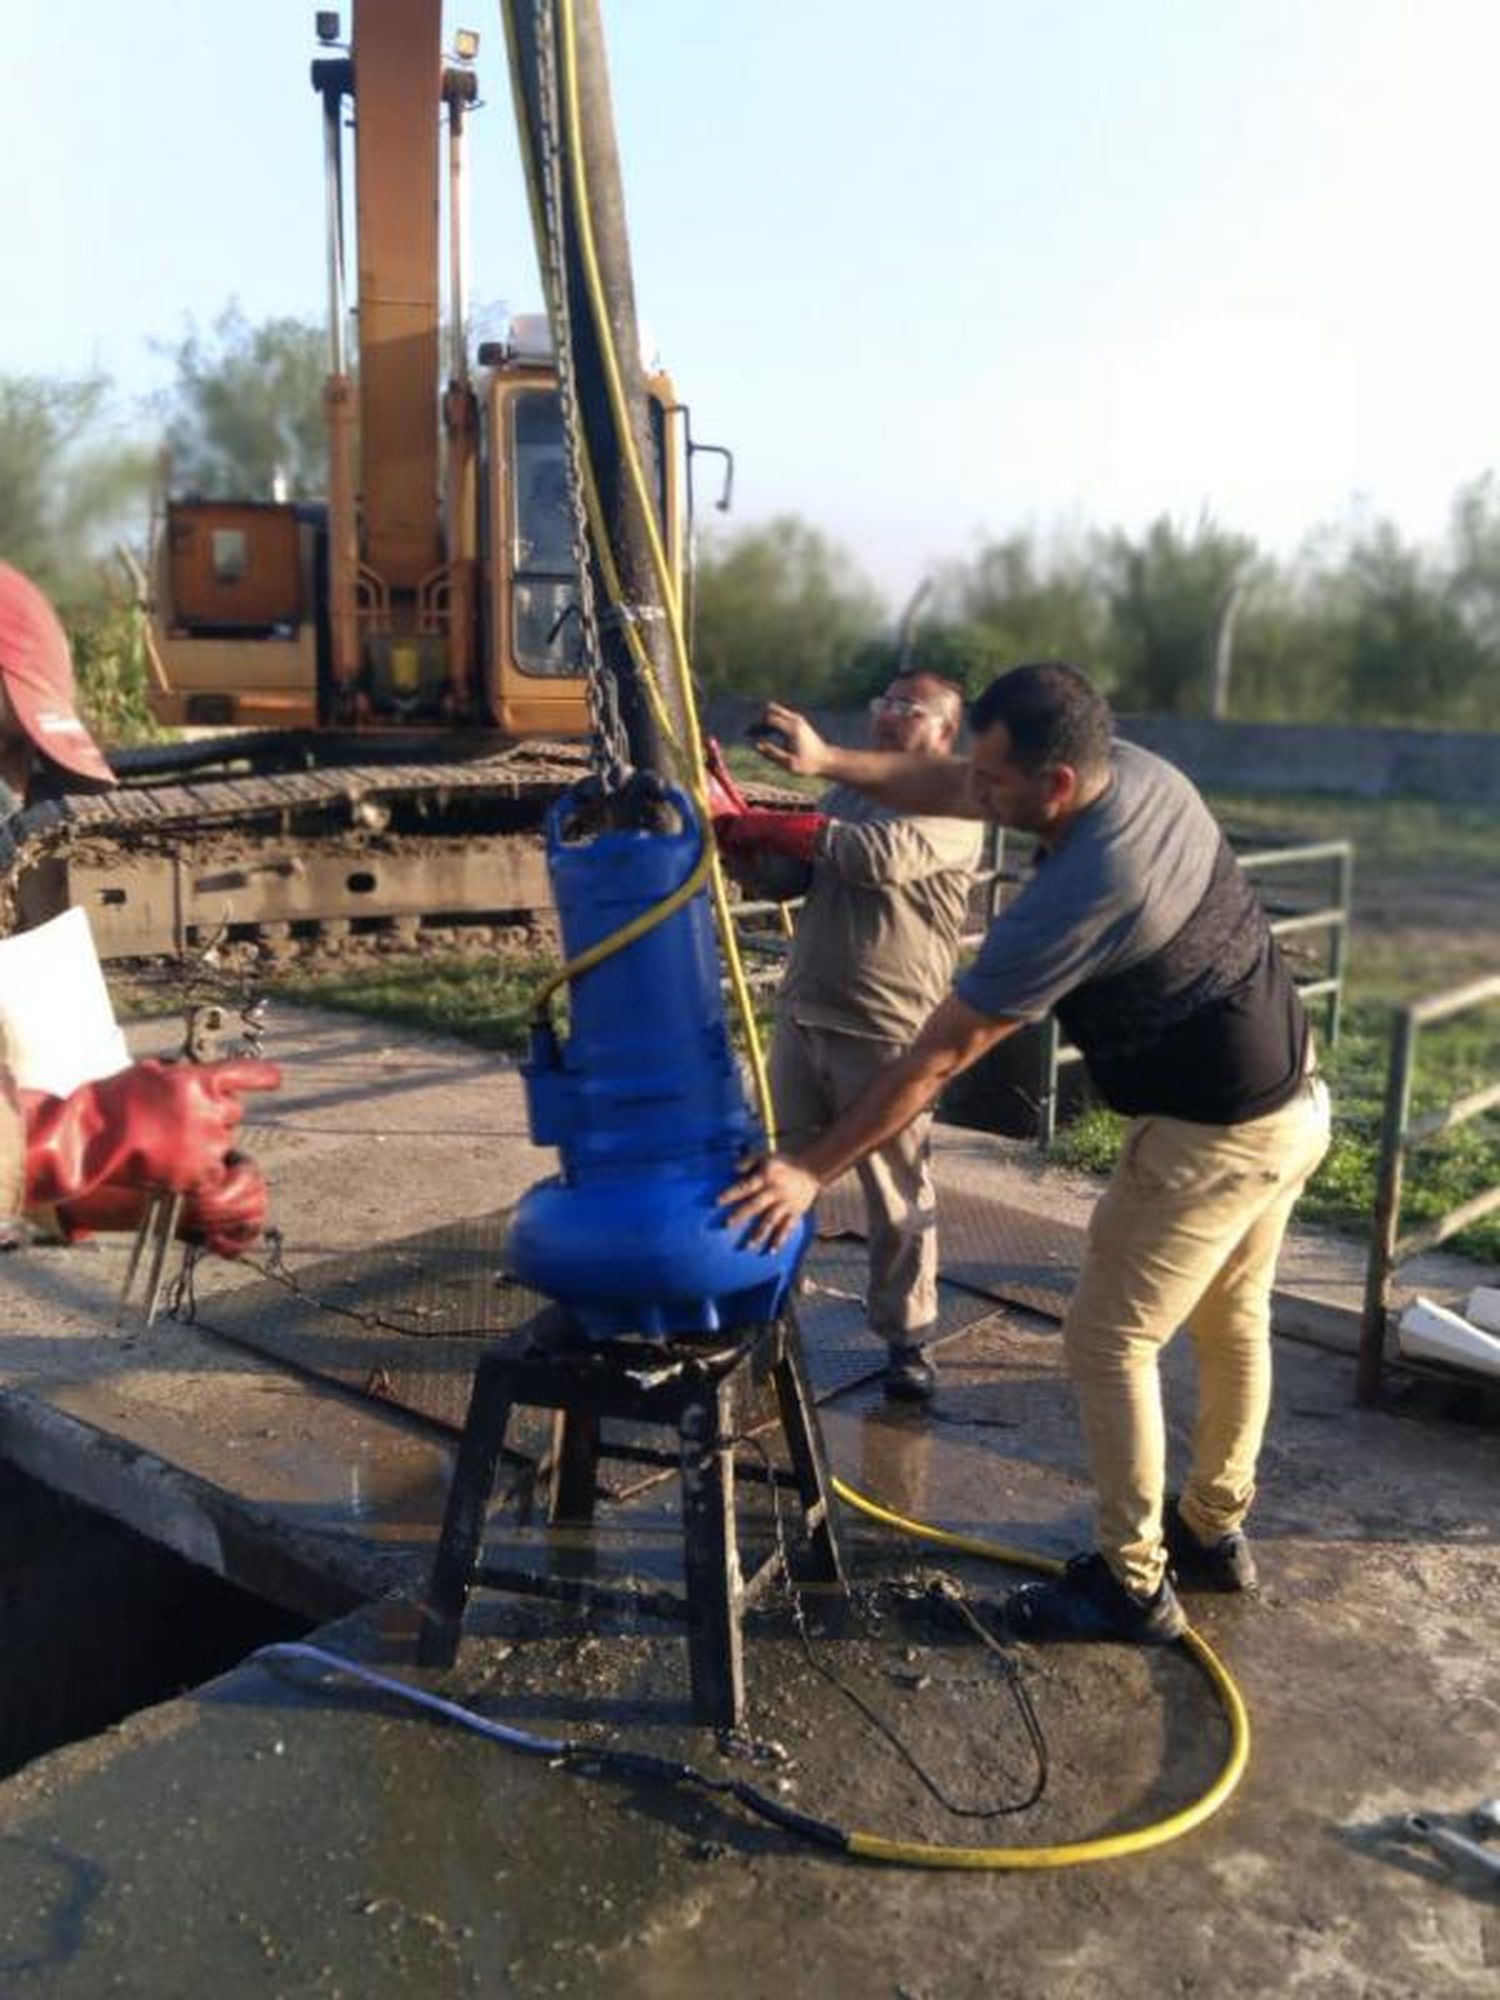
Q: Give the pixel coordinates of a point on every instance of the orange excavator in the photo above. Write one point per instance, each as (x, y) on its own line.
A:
(404, 669)
(439, 583)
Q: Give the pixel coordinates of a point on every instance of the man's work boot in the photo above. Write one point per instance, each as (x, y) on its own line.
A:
(1088, 1601)
(909, 1376)
(1226, 1564)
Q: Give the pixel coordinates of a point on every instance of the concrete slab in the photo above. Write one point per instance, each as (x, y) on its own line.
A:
(272, 1835)
(1320, 1278)
(200, 1445)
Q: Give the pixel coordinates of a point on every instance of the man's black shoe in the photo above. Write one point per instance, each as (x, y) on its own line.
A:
(909, 1376)
(1226, 1564)
(1088, 1601)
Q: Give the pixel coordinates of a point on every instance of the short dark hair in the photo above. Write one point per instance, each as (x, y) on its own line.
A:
(1054, 714)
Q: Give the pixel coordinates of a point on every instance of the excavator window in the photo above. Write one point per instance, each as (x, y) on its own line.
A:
(229, 555)
(548, 635)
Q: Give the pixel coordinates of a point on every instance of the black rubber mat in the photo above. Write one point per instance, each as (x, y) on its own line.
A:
(986, 1246)
(404, 1321)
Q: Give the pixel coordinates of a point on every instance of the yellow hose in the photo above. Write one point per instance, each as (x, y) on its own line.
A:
(627, 933)
(689, 754)
(666, 581)
(1071, 1853)
(867, 1846)
(641, 659)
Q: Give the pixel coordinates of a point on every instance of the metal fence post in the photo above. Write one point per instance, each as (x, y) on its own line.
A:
(1343, 875)
(1387, 1207)
(1046, 1109)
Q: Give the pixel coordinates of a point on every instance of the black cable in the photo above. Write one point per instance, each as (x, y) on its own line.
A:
(949, 1594)
(275, 1268)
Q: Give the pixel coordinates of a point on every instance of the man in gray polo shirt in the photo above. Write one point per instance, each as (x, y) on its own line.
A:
(1140, 931)
(875, 946)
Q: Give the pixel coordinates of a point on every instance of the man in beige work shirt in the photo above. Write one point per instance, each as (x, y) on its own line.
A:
(886, 897)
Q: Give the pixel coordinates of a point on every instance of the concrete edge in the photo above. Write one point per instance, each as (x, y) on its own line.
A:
(311, 1574)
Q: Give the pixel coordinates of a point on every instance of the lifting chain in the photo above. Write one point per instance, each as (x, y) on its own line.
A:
(610, 749)
(208, 995)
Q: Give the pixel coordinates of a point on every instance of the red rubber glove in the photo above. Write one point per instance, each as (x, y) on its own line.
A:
(226, 1218)
(154, 1125)
(759, 831)
(725, 799)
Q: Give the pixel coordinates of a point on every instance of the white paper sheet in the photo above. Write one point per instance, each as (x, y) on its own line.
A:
(57, 1022)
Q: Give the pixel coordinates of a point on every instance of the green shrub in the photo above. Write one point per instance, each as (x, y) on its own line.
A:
(109, 662)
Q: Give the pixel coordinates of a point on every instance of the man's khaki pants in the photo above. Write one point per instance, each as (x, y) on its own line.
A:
(816, 1074)
(1187, 1232)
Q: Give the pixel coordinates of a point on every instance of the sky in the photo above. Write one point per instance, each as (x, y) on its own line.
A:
(936, 273)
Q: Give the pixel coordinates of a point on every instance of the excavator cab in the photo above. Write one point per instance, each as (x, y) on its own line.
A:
(240, 634)
(534, 649)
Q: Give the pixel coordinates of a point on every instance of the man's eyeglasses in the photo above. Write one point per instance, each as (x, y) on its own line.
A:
(898, 704)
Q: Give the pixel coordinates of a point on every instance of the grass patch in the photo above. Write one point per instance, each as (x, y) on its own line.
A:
(484, 1001)
(1387, 968)
(1453, 1058)
(1395, 839)
(137, 1000)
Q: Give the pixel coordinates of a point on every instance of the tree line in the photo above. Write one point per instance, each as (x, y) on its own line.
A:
(1192, 618)
(1362, 626)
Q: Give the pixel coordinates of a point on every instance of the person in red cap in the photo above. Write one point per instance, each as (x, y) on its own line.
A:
(38, 706)
(94, 1158)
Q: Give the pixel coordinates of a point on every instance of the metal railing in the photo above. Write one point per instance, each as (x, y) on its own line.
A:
(1401, 1134)
(1330, 918)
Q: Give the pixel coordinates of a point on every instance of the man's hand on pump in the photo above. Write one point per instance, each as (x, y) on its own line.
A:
(772, 1194)
(769, 1200)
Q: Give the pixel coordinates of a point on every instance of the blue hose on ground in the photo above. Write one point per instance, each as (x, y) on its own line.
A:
(597, 1760)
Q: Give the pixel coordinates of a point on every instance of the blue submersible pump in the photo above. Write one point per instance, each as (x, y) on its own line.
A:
(644, 1099)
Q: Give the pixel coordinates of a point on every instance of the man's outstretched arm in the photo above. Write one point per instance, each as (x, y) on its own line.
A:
(915, 783)
(771, 1196)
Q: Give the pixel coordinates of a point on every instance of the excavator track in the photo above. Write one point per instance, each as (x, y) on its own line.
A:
(328, 856)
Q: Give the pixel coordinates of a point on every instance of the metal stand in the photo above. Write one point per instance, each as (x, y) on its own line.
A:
(700, 1391)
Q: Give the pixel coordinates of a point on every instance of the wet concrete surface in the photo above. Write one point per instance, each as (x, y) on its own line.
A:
(281, 1833)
